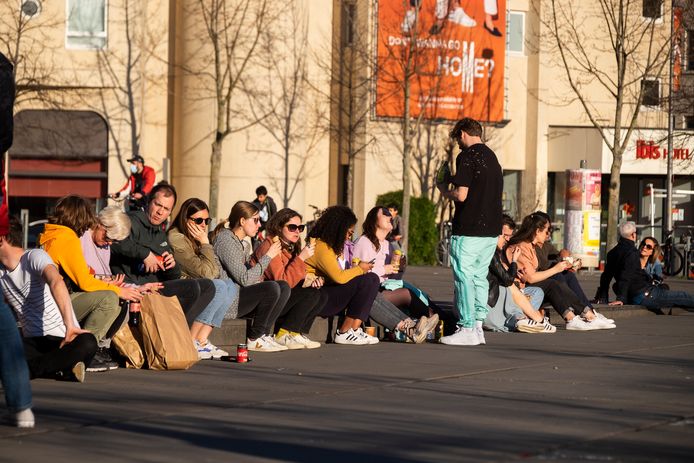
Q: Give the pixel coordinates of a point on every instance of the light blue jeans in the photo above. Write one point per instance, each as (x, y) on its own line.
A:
(224, 293)
(470, 258)
(506, 313)
(14, 370)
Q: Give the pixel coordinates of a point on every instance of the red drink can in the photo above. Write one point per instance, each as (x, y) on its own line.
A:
(242, 353)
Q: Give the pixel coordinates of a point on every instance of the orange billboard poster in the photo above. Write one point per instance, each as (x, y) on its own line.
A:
(445, 57)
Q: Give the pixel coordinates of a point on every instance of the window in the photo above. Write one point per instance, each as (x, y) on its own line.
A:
(349, 13)
(516, 32)
(690, 50)
(650, 88)
(689, 122)
(653, 9)
(86, 24)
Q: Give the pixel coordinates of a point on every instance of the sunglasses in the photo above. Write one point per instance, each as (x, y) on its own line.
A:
(386, 212)
(255, 219)
(200, 220)
(292, 227)
(648, 246)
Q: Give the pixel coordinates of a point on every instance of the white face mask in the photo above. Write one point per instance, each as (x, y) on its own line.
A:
(133, 168)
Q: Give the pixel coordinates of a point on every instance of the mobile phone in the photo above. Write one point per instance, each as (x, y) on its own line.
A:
(372, 261)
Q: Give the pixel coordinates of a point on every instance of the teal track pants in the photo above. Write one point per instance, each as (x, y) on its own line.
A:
(470, 258)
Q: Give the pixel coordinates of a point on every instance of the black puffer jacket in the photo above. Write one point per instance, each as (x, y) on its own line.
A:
(623, 263)
(499, 275)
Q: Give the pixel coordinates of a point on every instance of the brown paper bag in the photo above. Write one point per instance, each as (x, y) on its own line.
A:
(165, 334)
(128, 341)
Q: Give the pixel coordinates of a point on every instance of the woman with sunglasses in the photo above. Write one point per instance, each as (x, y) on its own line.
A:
(263, 299)
(305, 300)
(534, 231)
(373, 246)
(649, 250)
(195, 257)
(350, 290)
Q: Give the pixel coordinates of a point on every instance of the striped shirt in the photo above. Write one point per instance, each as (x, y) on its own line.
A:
(30, 296)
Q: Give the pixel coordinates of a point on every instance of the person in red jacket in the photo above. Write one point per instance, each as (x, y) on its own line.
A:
(139, 183)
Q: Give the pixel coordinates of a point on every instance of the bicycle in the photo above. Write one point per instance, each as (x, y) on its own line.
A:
(673, 260)
(443, 247)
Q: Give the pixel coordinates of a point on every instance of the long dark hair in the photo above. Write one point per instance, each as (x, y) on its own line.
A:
(527, 230)
(371, 224)
(331, 227)
(656, 249)
(75, 212)
(189, 207)
(274, 226)
(240, 210)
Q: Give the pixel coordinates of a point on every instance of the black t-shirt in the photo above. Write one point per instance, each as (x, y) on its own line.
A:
(480, 214)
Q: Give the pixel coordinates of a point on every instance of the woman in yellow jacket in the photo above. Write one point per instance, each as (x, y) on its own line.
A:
(96, 302)
(352, 290)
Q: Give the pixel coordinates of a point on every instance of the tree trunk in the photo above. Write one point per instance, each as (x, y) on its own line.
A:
(613, 202)
(406, 148)
(215, 166)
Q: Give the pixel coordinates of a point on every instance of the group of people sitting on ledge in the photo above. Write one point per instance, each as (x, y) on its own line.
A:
(69, 295)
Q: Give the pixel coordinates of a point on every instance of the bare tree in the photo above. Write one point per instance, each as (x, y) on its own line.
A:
(285, 107)
(233, 30)
(638, 50)
(25, 43)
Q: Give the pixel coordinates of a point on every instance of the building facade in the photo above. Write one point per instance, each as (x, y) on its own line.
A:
(100, 80)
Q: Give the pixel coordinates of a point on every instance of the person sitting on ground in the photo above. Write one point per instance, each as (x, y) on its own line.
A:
(112, 224)
(649, 250)
(535, 230)
(54, 343)
(306, 300)
(632, 284)
(510, 308)
(195, 256)
(95, 302)
(548, 255)
(265, 300)
(350, 290)
(146, 255)
(372, 246)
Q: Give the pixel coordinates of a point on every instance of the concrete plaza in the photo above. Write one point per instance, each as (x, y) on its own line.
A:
(617, 395)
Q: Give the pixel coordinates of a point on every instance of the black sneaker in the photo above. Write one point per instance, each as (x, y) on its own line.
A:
(102, 361)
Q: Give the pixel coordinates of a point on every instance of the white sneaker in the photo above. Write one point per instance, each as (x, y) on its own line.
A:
(462, 337)
(204, 352)
(350, 337)
(527, 325)
(579, 324)
(408, 21)
(309, 343)
(264, 343)
(369, 339)
(479, 331)
(23, 418)
(459, 16)
(600, 316)
(425, 325)
(290, 341)
(214, 351)
(601, 324)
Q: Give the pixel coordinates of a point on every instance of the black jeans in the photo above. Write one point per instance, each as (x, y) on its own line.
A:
(562, 298)
(194, 295)
(356, 296)
(45, 357)
(569, 278)
(303, 306)
(265, 300)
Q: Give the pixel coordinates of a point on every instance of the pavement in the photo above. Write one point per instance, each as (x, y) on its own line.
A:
(622, 395)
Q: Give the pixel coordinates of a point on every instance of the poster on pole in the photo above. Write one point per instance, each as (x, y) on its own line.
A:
(444, 57)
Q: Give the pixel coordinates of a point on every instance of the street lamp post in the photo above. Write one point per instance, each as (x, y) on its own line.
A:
(670, 125)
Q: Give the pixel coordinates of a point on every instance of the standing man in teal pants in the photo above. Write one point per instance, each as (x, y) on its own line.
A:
(477, 188)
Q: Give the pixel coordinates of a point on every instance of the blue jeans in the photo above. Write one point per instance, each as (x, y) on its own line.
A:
(14, 371)
(659, 297)
(224, 293)
(470, 258)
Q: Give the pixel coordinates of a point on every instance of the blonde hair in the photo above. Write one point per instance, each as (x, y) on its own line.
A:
(116, 222)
